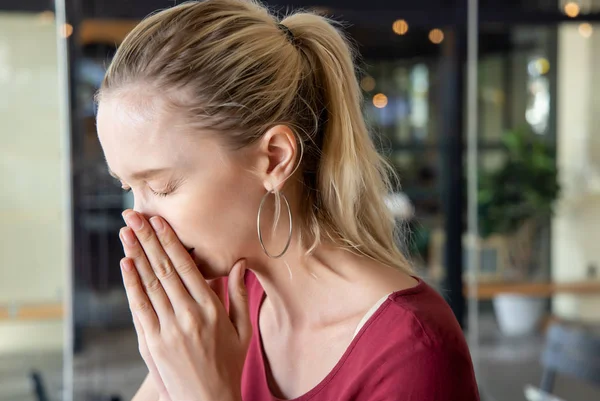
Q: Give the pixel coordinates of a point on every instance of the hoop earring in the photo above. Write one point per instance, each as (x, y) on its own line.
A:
(260, 237)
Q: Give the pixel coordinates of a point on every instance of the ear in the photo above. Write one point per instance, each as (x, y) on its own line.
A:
(278, 150)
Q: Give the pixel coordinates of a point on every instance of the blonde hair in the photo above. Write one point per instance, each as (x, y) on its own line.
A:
(230, 68)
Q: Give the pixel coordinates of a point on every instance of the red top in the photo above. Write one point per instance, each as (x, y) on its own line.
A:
(410, 349)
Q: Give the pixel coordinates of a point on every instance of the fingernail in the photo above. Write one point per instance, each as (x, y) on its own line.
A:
(128, 236)
(133, 220)
(157, 224)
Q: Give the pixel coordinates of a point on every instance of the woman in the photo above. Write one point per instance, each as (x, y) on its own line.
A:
(220, 119)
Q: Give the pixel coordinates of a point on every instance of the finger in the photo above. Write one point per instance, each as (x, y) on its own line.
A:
(183, 263)
(151, 284)
(142, 343)
(148, 360)
(140, 305)
(160, 262)
(239, 312)
(168, 273)
(139, 329)
(161, 266)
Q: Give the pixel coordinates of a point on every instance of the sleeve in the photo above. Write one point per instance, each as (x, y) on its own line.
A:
(433, 374)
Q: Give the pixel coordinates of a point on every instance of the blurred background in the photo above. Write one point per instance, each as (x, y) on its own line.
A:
(489, 110)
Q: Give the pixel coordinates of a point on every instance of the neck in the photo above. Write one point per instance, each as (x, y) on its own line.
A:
(318, 289)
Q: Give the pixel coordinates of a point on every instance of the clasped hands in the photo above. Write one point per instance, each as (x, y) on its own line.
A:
(193, 347)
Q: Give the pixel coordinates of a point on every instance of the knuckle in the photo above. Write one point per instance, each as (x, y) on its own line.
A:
(135, 253)
(168, 239)
(191, 319)
(164, 269)
(186, 268)
(145, 234)
(141, 306)
(152, 285)
(190, 313)
(131, 285)
(211, 311)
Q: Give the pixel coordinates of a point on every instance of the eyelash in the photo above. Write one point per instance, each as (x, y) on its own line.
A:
(159, 194)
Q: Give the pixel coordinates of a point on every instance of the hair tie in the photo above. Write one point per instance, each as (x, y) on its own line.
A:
(288, 33)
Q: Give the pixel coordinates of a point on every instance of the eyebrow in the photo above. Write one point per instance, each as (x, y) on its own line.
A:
(141, 175)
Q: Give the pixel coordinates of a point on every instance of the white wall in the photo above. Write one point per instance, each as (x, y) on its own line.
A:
(33, 260)
(576, 228)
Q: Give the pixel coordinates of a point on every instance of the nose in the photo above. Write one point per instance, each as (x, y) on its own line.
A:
(143, 208)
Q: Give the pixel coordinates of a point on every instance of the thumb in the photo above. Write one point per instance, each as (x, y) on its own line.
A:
(239, 312)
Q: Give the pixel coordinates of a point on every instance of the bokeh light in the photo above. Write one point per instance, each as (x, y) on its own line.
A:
(436, 36)
(367, 83)
(586, 30)
(380, 100)
(400, 27)
(572, 9)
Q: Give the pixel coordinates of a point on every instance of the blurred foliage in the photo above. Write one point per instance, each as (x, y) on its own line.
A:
(523, 189)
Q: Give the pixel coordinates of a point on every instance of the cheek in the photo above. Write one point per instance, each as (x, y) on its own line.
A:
(219, 221)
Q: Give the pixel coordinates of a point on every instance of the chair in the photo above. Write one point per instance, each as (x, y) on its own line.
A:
(572, 351)
(38, 386)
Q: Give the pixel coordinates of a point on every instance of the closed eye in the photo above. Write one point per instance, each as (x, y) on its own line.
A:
(161, 194)
(168, 189)
(157, 193)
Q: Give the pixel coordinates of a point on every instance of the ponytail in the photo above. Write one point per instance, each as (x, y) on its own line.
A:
(353, 178)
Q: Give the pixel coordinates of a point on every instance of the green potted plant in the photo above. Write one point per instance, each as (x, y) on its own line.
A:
(517, 202)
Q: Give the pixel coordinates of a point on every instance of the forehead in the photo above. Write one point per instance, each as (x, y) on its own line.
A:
(136, 135)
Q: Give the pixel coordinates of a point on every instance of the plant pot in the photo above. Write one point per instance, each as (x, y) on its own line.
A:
(518, 315)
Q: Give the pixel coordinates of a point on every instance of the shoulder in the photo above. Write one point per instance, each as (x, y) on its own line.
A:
(428, 316)
(414, 346)
(418, 314)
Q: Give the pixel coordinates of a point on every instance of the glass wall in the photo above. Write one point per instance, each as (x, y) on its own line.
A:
(35, 242)
(402, 105)
(535, 200)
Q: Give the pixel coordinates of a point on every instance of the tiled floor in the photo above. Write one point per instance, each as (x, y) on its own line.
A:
(110, 365)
